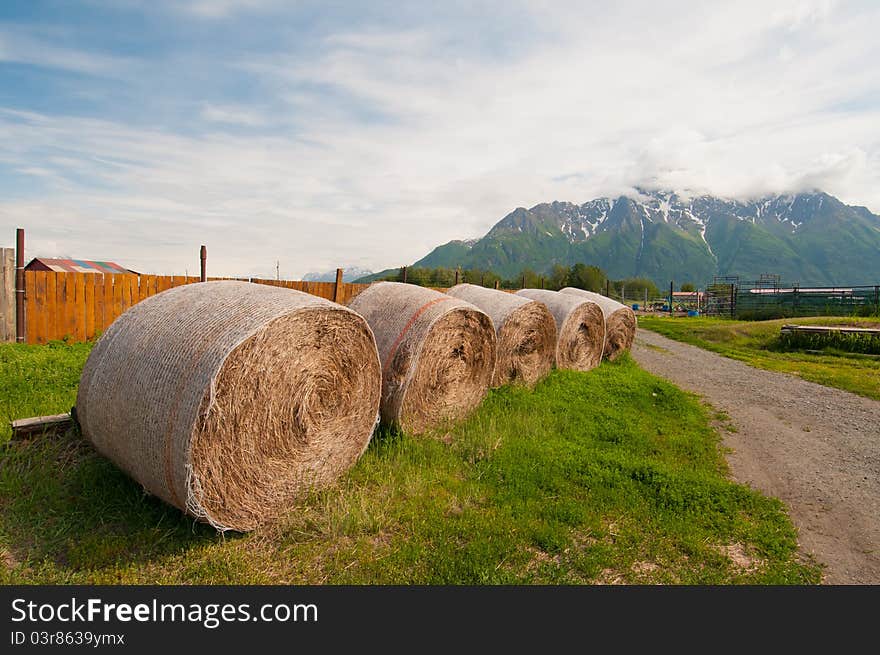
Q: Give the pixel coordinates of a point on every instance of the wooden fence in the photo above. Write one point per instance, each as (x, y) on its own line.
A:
(79, 306)
(341, 293)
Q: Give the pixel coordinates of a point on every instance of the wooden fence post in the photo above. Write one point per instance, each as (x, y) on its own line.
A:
(404, 274)
(497, 282)
(19, 286)
(457, 275)
(607, 288)
(7, 294)
(338, 286)
(203, 262)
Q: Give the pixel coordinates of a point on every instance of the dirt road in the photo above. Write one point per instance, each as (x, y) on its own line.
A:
(815, 448)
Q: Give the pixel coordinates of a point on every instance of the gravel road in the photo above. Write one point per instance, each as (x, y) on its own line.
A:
(815, 448)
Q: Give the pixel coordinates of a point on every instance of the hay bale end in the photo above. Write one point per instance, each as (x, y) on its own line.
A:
(580, 328)
(230, 400)
(525, 333)
(437, 353)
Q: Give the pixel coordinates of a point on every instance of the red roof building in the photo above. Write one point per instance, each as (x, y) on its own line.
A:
(74, 266)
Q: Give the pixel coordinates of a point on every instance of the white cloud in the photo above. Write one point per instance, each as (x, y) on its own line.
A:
(383, 144)
(234, 115)
(215, 9)
(19, 44)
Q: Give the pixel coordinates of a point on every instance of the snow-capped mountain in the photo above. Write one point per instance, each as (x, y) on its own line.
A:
(349, 274)
(811, 238)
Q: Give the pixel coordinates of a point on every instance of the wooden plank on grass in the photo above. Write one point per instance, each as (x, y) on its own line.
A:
(40, 424)
(828, 329)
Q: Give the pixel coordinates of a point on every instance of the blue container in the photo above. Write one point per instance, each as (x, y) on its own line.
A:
(693, 312)
(635, 306)
(665, 308)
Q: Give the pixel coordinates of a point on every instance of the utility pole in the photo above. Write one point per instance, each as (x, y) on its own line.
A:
(671, 310)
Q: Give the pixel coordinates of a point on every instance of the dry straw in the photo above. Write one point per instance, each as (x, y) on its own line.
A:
(437, 353)
(580, 328)
(230, 400)
(525, 331)
(620, 321)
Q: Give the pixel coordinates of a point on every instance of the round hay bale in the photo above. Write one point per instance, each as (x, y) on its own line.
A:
(620, 322)
(230, 400)
(437, 353)
(525, 332)
(580, 328)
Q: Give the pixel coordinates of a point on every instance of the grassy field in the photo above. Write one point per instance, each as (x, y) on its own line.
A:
(38, 380)
(612, 476)
(757, 343)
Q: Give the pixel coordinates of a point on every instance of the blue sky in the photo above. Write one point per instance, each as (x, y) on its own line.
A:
(333, 133)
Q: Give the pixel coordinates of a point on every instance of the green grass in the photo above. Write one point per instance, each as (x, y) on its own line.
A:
(607, 476)
(758, 343)
(866, 343)
(38, 380)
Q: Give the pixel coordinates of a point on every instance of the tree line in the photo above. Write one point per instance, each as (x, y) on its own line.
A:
(581, 276)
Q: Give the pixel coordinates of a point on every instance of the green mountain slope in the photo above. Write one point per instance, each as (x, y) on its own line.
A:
(811, 238)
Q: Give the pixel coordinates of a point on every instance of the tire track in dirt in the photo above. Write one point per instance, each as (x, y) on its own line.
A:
(815, 448)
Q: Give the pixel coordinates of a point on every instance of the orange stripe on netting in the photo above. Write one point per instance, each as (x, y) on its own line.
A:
(406, 328)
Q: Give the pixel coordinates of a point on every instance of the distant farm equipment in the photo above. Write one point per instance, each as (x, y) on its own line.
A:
(839, 337)
(768, 298)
